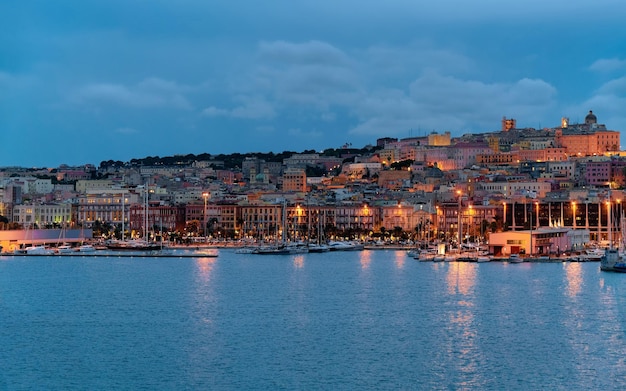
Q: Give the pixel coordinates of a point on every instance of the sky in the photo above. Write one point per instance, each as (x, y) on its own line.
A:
(88, 81)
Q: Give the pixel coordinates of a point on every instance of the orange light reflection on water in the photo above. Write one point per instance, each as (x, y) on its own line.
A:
(573, 274)
(365, 259)
(205, 266)
(400, 259)
(298, 261)
(461, 277)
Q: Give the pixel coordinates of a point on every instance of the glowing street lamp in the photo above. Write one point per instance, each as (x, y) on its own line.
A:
(205, 195)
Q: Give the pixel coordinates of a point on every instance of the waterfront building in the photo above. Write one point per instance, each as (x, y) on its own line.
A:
(541, 241)
(107, 206)
(161, 218)
(11, 240)
(42, 215)
(461, 220)
(590, 214)
(356, 217)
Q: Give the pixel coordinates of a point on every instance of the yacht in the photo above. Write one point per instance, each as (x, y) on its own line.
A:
(65, 249)
(38, 250)
(86, 248)
(318, 248)
(345, 246)
(612, 261)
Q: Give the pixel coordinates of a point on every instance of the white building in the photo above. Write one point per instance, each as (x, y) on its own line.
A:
(42, 214)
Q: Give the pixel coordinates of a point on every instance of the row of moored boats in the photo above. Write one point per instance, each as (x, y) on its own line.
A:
(593, 255)
(300, 248)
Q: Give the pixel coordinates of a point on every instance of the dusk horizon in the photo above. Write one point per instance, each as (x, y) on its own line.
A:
(90, 82)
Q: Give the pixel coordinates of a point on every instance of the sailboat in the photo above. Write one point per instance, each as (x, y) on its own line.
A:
(612, 261)
(136, 244)
(281, 248)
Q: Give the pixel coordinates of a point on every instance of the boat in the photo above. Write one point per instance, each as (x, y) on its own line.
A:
(132, 245)
(318, 248)
(483, 258)
(415, 253)
(65, 249)
(425, 257)
(450, 258)
(272, 250)
(344, 246)
(515, 258)
(297, 248)
(245, 250)
(86, 248)
(592, 255)
(38, 250)
(612, 260)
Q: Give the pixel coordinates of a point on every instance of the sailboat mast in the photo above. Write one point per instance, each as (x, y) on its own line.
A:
(123, 213)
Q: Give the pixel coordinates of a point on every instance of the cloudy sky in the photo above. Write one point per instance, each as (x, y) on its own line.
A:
(86, 81)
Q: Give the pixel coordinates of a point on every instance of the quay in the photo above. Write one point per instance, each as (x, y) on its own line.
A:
(118, 254)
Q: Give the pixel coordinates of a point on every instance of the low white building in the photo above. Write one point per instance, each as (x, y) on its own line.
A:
(544, 241)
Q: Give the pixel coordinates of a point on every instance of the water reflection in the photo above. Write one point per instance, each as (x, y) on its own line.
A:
(365, 259)
(400, 259)
(205, 266)
(298, 261)
(461, 277)
(463, 330)
(573, 277)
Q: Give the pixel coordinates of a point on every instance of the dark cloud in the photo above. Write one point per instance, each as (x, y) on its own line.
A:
(222, 76)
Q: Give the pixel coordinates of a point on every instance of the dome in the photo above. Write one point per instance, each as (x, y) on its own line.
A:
(591, 118)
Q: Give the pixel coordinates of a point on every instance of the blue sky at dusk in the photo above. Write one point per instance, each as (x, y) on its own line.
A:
(86, 81)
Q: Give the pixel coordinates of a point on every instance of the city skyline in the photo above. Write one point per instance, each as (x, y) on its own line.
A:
(86, 82)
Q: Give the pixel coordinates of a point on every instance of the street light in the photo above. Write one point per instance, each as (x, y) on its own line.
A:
(460, 221)
(205, 195)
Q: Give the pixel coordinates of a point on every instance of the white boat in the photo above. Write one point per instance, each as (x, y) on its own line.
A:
(515, 258)
(297, 248)
(483, 258)
(415, 253)
(592, 255)
(65, 249)
(38, 250)
(345, 246)
(245, 250)
(86, 248)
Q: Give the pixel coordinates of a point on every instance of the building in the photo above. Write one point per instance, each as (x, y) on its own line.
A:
(542, 241)
(42, 215)
(294, 180)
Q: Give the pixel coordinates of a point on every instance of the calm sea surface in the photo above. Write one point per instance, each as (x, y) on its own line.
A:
(356, 320)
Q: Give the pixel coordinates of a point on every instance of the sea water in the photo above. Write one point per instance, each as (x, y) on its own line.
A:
(343, 320)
